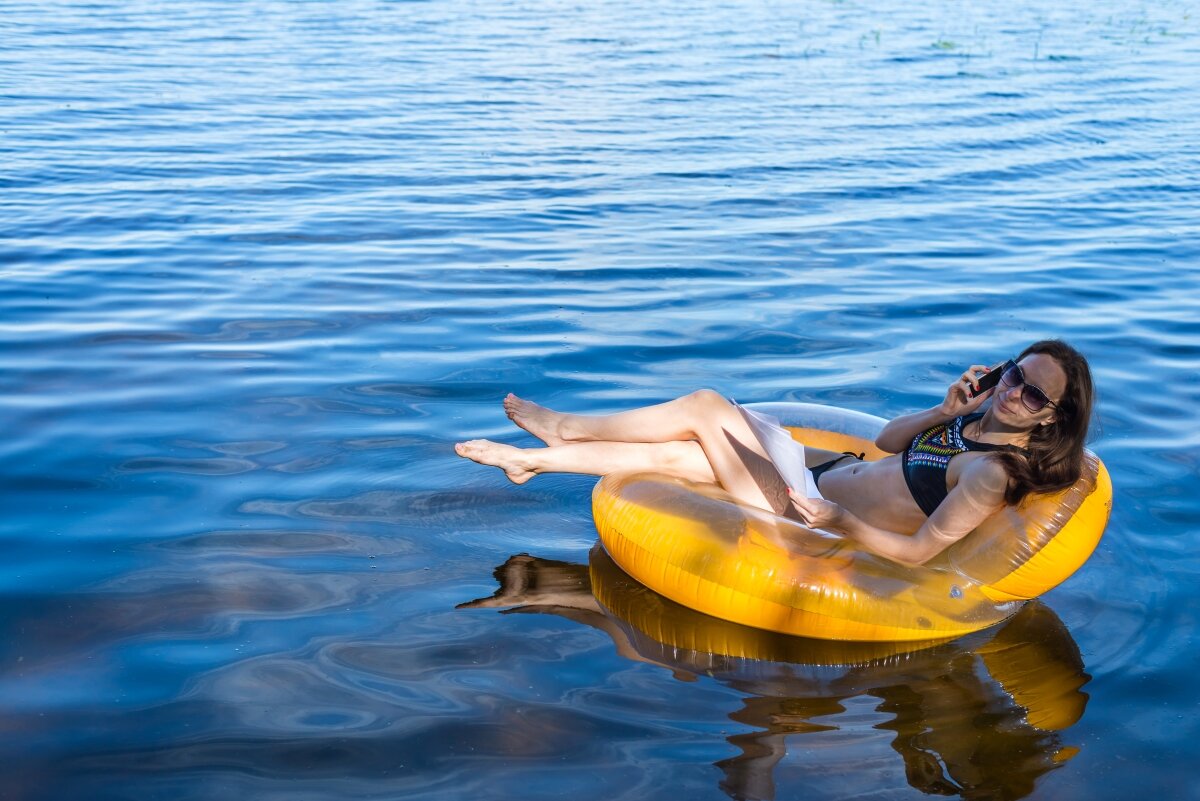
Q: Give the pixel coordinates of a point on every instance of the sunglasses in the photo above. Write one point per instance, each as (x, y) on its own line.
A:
(1033, 398)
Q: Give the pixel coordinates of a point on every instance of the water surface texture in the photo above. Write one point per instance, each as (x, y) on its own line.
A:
(262, 263)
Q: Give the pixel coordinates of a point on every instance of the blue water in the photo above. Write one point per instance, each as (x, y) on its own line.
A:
(262, 263)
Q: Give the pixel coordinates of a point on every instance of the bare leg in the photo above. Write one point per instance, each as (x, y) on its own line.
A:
(557, 428)
(683, 459)
(733, 452)
(663, 422)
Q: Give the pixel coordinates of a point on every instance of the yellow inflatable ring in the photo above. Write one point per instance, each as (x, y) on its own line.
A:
(696, 545)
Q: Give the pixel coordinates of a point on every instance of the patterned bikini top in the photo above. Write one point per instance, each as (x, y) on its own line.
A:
(928, 458)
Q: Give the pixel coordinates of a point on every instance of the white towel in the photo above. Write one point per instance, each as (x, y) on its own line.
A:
(786, 453)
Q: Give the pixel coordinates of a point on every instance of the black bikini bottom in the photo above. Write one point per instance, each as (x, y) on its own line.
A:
(823, 466)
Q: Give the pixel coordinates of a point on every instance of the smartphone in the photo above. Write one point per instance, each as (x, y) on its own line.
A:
(990, 380)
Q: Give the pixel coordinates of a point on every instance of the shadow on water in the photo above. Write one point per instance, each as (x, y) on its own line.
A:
(982, 716)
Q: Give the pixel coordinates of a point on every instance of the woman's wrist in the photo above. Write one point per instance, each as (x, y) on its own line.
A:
(842, 520)
(943, 414)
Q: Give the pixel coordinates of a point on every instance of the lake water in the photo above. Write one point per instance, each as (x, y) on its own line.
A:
(262, 263)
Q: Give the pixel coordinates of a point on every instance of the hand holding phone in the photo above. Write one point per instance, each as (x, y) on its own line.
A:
(968, 393)
(991, 379)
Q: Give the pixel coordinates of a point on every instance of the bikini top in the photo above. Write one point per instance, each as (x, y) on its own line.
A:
(928, 457)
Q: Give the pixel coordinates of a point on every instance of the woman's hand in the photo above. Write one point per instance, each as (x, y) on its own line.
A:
(958, 398)
(816, 512)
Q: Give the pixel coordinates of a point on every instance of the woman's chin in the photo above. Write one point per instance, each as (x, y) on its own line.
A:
(1009, 419)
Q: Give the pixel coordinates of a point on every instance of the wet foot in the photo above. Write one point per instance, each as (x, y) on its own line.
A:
(543, 423)
(506, 457)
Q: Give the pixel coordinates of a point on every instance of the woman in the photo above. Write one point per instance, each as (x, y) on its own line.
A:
(953, 465)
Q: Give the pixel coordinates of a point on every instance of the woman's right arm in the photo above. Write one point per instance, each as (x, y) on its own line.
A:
(896, 435)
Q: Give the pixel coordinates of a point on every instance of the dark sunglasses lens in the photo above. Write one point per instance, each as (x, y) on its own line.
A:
(1012, 376)
(1034, 399)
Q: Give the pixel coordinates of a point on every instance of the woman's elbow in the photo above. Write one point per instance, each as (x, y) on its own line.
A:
(909, 554)
(885, 443)
(921, 551)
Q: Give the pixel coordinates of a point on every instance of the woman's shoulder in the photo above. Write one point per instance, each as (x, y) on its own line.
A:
(986, 473)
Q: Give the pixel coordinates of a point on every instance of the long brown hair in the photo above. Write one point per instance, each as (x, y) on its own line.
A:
(1054, 455)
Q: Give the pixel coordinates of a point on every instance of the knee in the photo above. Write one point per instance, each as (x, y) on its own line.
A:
(698, 411)
(707, 400)
(709, 408)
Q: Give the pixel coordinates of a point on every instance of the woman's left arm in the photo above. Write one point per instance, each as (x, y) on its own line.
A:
(979, 493)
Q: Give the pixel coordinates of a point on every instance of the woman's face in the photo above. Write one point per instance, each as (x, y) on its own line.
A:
(1040, 371)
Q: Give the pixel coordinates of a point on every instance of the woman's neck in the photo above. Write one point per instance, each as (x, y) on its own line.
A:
(992, 431)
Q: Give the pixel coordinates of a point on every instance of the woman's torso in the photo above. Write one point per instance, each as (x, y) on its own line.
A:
(878, 493)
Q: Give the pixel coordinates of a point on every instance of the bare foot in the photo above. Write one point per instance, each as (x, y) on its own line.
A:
(506, 457)
(543, 423)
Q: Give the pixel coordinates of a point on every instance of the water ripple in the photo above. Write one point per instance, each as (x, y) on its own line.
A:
(262, 264)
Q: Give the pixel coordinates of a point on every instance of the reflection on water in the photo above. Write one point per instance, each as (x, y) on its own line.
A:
(983, 716)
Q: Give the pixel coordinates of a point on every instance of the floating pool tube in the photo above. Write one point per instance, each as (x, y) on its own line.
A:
(696, 545)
